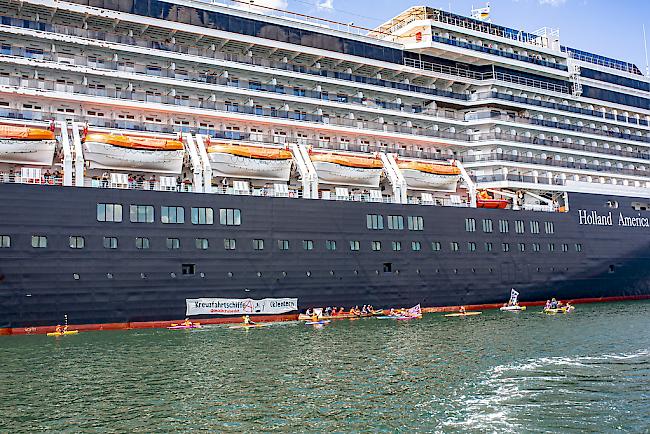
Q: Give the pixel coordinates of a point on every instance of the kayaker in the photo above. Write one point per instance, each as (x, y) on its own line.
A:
(371, 309)
(548, 304)
(247, 320)
(364, 310)
(58, 329)
(187, 322)
(65, 328)
(328, 311)
(553, 303)
(309, 312)
(462, 310)
(314, 318)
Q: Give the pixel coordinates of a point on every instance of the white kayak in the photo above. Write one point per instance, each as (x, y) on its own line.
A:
(512, 308)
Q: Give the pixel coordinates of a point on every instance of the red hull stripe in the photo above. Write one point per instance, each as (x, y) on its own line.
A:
(276, 318)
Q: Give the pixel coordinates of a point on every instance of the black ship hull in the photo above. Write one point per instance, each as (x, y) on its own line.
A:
(605, 254)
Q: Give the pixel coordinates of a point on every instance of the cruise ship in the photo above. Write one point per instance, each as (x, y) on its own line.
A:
(161, 158)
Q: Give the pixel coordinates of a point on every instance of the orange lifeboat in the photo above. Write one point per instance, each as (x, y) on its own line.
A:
(484, 200)
(256, 152)
(360, 162)
(10, 132)
(140, 143)
(436, 169)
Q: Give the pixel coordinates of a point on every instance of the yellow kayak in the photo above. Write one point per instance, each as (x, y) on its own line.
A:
(247, 326)
(69, 332)
(559, 310)
(464, 314)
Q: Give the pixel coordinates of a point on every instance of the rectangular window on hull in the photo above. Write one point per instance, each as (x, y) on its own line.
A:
(39, 241)
(536, 247)
(551, 247)
(142, 243)
(283, 244)
(519, 226)
(522, 247)
(141, 213)
(229, 244)
(503, 226)
(416, 246)
(565, 247)
(202, 216)
(376, 246)
(471, 246)
(258, 244)
(534, 227)
(488, 247)
(172, 214)
(173, 243)
(487, 226)
(229, 217)
(435, 246)
(188, 269)
(5, 241)
(453, 246)
(202, 243)
(308, 244)
(109, 212)
(550, 227)
(395, 222)
(77, 242)
(110, 242)
(397, 246)
(578, 247)
(415, 223)
(374, 221)
(470, 225)
(330, 245)
(505, 247)
(354, 246)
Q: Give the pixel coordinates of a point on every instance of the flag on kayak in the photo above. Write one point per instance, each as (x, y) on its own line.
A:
(513, 297)
(415, 310)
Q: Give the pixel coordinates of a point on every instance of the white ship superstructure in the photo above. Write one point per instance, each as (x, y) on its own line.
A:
(430, 108)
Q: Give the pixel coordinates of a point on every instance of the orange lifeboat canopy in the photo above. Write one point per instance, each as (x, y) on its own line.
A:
(360, 162)
(257, 152)
(436, 169)
(141, 143)
(11, 132)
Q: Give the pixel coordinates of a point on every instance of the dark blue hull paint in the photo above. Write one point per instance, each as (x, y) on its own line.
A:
(37, 286)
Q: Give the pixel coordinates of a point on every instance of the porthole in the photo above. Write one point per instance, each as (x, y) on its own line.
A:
(109, 275)
(173, 275)
(75, 276)
(308, 274)
(230, 274)
(202, 274)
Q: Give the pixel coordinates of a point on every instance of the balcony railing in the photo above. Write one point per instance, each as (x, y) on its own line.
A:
(500, 157)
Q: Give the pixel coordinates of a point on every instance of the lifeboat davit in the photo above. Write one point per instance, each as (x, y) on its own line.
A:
(421, 175)
(122, 152)
(26, 145)
(255, 162)
(484, 200)
(344, 169)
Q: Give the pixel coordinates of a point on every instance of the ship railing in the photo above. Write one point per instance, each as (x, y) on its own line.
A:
(292, 193)
(136, 184)
(44, 179)
(437, 201)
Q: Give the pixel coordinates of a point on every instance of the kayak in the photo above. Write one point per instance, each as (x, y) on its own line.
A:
(69, 332)
(247, 326)
(184, 327)
(512, 308)
(406, 318)
(393, 317)
(321, 322)
(558, 310)
(464, 314)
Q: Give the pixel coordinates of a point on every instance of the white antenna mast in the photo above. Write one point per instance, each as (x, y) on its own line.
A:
(645, 46)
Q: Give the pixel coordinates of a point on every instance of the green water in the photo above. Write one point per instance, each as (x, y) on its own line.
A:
(498, 372)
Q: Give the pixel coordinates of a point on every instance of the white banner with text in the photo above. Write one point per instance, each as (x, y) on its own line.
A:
(239, 306)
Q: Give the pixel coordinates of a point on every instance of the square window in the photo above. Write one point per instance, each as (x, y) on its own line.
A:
(397, 246)
(172, 214)
(376, 246)
(283, 244)
(471, 246)
(415, 223)
(416, 246)
(173, 243)
(505, 247)
(354, 246)
(202, 216)
(435, 246)
(488, 247)
(229, 244)
(77, 242)
(330, 245)
(453, 246)
(308, 244)
(487, 226)
(230, 217)
(522, 247)
(258, 244)
(141, 213)
(142, 243)
(470, 225)
(5, 241)
(110, 242)
(39, 241)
